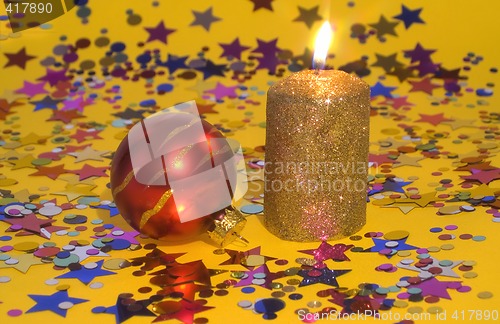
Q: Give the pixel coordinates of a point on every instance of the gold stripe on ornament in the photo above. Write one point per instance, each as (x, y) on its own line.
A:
(180, 129)
(209, 156)
(124, 183)
(153, 211)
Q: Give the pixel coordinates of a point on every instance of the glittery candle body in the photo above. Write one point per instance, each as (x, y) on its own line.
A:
(316, 155)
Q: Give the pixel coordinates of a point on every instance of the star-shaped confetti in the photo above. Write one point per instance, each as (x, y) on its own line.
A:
(402, 73)
(425, 85)
(435, 287)
(22, 163)
(262, 4)
(186, 312)
(396, 245)
(159, 33)
(124, 311)
(381, 90)
(433, 119)
(53, 77)
(384, 27)
(19, 58)
(83, 135)
(261, 272)
(74, 191)
(395, 186)
(406, 160)
(421, 200)
(457, 123)
(65, 116)
(88, 171)
(113, 210)
(174, 63)
(30, 223)
(308, 16)
(188, 290)
(211, 69)
(46, 102)
(156, 258)
(388, 62)
(59, 302)
(397, 103)
(419, 54)
(220, 91)
(241, 257)
(51, 172)
(204, 19)
(322, 275)
(21, 262)
(32, 89)
(194, 271)
(483, 176)
(87, 154)
(234, 49)
(267, 48)
(409, 17)
(87, 272)
(326, 251)
(438, 268)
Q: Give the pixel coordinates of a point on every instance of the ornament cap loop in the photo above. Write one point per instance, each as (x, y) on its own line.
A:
(228, 227)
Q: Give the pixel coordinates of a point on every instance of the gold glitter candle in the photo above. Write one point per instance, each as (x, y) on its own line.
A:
(316, 155)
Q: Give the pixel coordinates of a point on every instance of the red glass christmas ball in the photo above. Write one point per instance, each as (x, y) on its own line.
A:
(152, 209)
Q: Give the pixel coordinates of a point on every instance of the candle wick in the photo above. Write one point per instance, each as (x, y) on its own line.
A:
(316, 71)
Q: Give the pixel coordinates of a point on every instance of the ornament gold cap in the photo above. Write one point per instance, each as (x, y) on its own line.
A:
(228, 227)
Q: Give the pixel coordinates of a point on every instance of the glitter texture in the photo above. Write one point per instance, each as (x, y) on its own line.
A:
(316, 155)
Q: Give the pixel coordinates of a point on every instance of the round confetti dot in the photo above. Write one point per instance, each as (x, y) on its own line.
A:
(245, 303)
(382, 291)
(99, 309)
(469, 263)
(435, 310)
(96, 285)
(4, 279)
(14, 312)
(90, 265)
(449, 210)
(12, 261)
(445, 263)
(396, 235)
(51, 282)
(415, 310)
(252, 209)
(478, 238)
(464, 289)
(247, 290)
(470, 275)
(258, 282)
(65, 305)
(485, 294)
(447, 247)
(414, 291)
(404, 253)
(50, 211)
(26, 246)
(400, 304)
(295, 296)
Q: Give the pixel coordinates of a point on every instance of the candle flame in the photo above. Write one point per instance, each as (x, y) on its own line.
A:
(322, 44)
